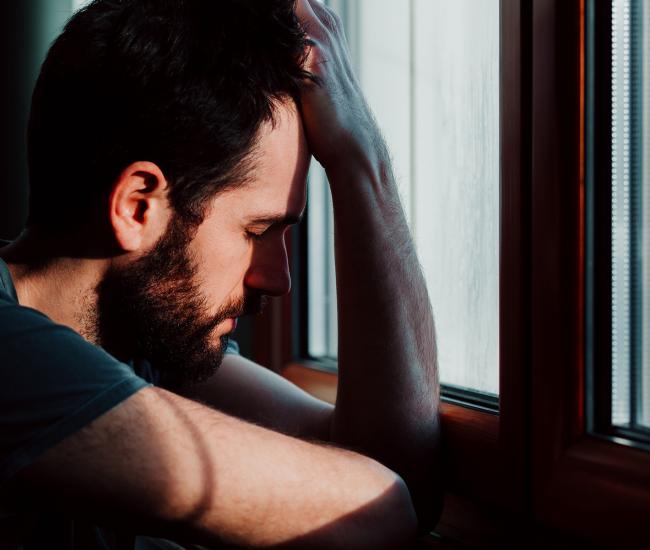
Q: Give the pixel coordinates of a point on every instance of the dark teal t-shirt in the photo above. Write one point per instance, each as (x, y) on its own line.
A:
(52, 383)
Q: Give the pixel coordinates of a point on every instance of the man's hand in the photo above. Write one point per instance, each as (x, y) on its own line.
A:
(338, 122)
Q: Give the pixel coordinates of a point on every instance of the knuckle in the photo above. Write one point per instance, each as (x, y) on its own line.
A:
(334, 21)
(329, 18)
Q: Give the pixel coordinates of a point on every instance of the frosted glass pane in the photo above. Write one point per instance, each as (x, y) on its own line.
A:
(430, 72)
(384, 70)
(321, 278)
(456, 217)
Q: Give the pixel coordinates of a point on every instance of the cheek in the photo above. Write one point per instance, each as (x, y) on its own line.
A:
(223, 266)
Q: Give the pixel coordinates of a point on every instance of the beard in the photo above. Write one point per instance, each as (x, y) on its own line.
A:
(153, 310)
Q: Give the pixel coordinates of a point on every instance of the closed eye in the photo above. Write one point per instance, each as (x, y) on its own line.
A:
(258, 232)
(255, 236)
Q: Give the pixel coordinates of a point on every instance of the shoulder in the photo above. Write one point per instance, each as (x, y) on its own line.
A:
(52, 383)
(38, 345)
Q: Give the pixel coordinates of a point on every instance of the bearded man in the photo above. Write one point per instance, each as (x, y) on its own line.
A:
(169, 143)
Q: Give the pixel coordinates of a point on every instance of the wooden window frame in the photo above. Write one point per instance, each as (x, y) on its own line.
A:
(535, 465)
(585, 484)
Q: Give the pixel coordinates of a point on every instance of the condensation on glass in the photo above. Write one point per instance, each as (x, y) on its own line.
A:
(630, 213)
(430, 70)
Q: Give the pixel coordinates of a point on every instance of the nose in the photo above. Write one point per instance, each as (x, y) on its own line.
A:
(269, 270)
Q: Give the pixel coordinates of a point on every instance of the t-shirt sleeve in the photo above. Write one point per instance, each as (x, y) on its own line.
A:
(232, 348)
(53, 382)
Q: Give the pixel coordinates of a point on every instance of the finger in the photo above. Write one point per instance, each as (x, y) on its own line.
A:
(327, 16)
(334, 32)
(309, 18)
(305, 12)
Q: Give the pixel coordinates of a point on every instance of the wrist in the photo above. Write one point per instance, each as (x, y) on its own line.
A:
(361, 157)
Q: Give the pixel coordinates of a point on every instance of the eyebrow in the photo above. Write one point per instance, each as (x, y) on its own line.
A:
(276, 219)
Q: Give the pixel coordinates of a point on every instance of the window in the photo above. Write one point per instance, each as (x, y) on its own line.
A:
(568, 449)
(417, 110)
(630, 224)
(618, 220)
(587, 472)
(435, 94)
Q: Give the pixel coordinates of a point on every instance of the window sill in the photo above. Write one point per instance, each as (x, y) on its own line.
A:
(475, 510)
(467, 433)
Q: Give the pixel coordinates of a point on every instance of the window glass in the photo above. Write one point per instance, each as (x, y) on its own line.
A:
(430, 70)
(78, 4)
(630, 178)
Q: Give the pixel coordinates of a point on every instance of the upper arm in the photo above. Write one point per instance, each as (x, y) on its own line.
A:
(116, 467)
(82, 435)
(247, 390)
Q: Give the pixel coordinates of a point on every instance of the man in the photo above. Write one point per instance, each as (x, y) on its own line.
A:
(168, 146)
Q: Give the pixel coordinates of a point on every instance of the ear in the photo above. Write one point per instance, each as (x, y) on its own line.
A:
(138, 206)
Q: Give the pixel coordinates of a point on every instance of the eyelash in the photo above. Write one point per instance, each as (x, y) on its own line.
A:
(254, 236)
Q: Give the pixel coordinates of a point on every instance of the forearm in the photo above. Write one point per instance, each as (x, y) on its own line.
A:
(387, 404)
(388, 396)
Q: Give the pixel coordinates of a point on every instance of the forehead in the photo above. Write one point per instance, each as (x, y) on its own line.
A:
(277, 182)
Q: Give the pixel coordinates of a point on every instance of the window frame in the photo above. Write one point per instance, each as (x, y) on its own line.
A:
(540, 467)
(574, 471)
(498, 439)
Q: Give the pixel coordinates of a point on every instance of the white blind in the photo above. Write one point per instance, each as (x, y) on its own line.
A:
(630, 227)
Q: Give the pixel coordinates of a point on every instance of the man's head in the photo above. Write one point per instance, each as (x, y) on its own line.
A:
(171, 127)
(176, 303)
(184, 84)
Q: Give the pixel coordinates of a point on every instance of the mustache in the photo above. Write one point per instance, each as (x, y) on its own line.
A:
(252, 304)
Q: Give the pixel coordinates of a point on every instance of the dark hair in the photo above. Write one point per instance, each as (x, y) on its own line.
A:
(185, 84)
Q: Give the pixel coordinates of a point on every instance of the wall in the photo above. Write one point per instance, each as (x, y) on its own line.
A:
(26, 30)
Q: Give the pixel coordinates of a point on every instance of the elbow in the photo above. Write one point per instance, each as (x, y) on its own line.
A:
(404, 516)
(428, 494)
(428, 508)
(414, 513)
(428, 488)
(386, 522)
(396, 525)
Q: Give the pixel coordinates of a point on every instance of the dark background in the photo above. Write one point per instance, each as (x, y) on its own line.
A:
(26, 30)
